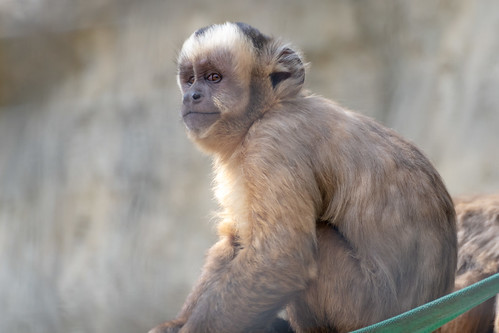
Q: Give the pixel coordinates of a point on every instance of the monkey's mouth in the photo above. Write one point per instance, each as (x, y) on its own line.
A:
(199, 120)
(197, 112)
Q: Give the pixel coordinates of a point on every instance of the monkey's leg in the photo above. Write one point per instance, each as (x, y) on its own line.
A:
(246, 295)
(218, 256)
(343, 297)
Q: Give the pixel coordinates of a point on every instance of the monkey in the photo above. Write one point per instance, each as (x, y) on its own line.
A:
(323, 212)
(478, 258)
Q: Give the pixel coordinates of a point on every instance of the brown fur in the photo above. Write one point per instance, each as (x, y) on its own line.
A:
(324, 211)
(478, 258)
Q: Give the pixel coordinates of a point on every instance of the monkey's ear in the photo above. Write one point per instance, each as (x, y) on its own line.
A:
(288, 74)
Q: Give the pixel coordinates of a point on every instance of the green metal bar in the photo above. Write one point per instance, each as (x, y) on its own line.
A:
(431, 316)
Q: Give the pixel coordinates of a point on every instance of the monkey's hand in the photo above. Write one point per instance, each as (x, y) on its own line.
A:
(172, 326)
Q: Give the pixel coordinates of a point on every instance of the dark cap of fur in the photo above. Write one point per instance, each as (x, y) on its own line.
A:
(257, 38)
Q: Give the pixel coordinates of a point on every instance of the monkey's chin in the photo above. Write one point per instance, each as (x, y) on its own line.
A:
(198, 122)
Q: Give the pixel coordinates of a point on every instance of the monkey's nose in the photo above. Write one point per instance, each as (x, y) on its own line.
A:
(192, 97)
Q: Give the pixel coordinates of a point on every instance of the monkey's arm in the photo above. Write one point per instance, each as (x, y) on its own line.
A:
(277, 258)
(218, 256)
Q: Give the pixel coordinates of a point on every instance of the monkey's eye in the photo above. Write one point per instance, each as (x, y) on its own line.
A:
(190, 81)
(214, 77)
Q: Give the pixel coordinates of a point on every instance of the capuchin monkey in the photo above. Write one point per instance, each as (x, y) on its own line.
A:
(324, 212)
(478, 258)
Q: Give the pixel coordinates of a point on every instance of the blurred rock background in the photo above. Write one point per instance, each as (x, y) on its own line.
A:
(104, 203)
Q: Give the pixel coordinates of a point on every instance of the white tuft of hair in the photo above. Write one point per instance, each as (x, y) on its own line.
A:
(219, 36)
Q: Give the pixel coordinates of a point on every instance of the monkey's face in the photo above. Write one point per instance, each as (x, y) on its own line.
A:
(215, 69)
(199, 111)
(212, 92)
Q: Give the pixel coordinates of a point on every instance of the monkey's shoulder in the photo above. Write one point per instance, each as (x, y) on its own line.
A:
(314, 119)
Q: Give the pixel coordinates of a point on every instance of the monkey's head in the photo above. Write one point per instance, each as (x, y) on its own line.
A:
(230, 75)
